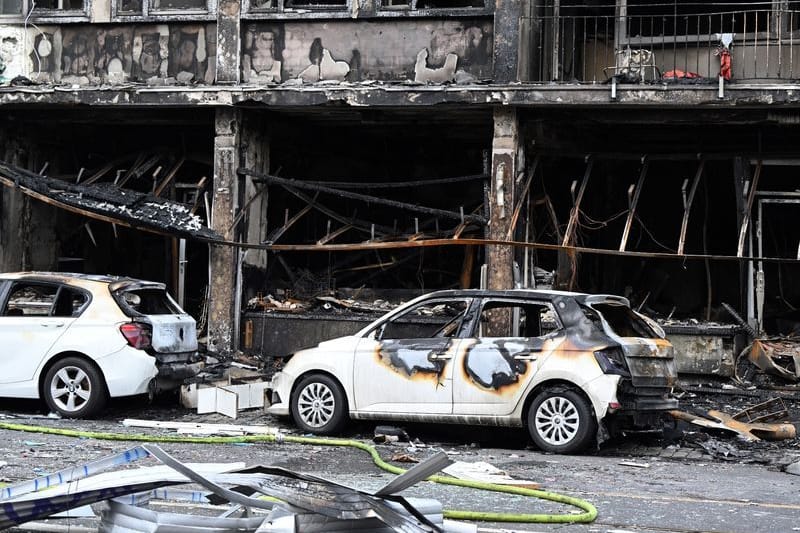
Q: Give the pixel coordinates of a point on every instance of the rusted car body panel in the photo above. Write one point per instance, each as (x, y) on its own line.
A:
(470, 370)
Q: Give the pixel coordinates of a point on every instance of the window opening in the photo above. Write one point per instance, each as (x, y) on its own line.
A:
(516, 319)
(623, 321)
(427, 320)
(652, 18)
(27, 299)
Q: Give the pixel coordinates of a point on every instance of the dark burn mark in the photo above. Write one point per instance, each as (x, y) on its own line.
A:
(412, 357)
(492, 365)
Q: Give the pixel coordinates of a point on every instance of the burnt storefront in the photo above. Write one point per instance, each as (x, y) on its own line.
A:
(366, 151)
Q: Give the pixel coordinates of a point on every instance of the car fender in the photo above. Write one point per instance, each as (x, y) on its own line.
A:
(334, 358)
(581, 370)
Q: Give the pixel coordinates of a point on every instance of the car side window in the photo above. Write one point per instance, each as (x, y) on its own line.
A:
(69, 303)
(502, 319)
(30, 299)
(442, 319)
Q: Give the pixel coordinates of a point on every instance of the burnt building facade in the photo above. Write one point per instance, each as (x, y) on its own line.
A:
(634, 147)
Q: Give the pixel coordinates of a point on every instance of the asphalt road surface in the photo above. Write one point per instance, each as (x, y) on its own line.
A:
(641, 484)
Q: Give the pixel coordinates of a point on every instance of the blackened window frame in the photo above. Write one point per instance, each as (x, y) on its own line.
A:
(46, 15)
(149, 14)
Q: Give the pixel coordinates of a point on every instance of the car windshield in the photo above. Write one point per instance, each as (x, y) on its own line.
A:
(622, 320)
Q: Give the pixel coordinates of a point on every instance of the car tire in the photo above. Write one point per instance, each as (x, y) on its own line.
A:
(560, 420)
(74, 388)
(318, 405)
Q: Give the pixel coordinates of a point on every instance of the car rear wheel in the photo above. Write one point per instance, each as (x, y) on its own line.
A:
(560, 420)
(74, 388)
(318, 405)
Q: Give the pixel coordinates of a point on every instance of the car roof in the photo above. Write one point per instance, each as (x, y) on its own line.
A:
(546, 294)
(79, 278)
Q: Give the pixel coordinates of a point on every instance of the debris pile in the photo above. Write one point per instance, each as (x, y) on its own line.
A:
(110, 203)
(297, 502)
(770, 358)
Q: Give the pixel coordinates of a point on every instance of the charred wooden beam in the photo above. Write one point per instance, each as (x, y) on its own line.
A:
(523, 194)
(266, 178)
(633, 203)
(688, 207)
(576, 208)
(748, 210)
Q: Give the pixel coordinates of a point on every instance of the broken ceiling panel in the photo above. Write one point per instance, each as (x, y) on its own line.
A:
(111, 203)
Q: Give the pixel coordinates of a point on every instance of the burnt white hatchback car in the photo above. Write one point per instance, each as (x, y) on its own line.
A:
(75, 340)
(567, 366)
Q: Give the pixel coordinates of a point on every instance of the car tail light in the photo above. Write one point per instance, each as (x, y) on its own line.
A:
(612, 361)
(138, 335)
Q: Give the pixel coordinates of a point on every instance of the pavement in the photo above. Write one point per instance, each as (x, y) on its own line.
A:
(687, 480)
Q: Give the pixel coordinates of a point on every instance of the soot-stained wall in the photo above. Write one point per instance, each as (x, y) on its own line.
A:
(355, 51)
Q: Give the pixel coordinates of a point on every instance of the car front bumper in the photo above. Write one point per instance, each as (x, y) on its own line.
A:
(278, 393)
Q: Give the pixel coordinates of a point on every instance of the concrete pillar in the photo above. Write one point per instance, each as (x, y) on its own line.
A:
(507, 24)
(222, 276)
(228, 41)
(505, 147)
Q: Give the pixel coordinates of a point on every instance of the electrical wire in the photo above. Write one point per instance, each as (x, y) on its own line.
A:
(588, 514)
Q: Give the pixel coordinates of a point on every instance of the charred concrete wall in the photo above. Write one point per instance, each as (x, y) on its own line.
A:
(93, 54)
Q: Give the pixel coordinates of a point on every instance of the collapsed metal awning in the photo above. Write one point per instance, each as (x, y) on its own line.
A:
(295, 502)
(111, 203)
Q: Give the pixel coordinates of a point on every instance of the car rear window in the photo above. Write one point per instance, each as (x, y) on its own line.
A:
(623, 321)
(147, 302)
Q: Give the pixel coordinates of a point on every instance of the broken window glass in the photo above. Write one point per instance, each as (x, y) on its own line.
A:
(516, 319)
(58, 4)
(440, 4)
(316, 3)
(193, 5)
(262, 4)
(147, 302)
(428, 320)
(624, 322)
(26, 299)
(129, 6)
(10, 7)
(69, 302)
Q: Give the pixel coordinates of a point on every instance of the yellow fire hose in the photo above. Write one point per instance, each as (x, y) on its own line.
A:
(589, 513)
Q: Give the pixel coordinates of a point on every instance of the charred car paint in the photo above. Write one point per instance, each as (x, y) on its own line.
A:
(564, 365)
(78, 339)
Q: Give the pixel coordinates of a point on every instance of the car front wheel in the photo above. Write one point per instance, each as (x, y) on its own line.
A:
(560, 420)
(318, 405)
(74, 388)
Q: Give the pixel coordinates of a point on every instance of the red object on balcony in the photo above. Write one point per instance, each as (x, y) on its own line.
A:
(724, 63)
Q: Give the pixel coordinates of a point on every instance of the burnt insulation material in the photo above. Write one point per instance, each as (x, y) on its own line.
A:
(139, 210)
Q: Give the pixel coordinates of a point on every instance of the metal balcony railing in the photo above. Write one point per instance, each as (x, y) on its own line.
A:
(764, 45)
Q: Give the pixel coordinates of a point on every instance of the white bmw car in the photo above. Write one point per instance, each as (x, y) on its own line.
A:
(75, 340)
(566, 366)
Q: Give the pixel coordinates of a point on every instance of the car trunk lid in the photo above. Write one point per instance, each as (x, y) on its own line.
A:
(650, 357)
(173, 331)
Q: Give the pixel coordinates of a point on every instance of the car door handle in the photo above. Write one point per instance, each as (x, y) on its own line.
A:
(526, 357)
(52, 324)
(440, 357)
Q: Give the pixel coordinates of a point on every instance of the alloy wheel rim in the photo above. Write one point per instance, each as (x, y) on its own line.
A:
(316, 404)
(557, 420)
(70, 389)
